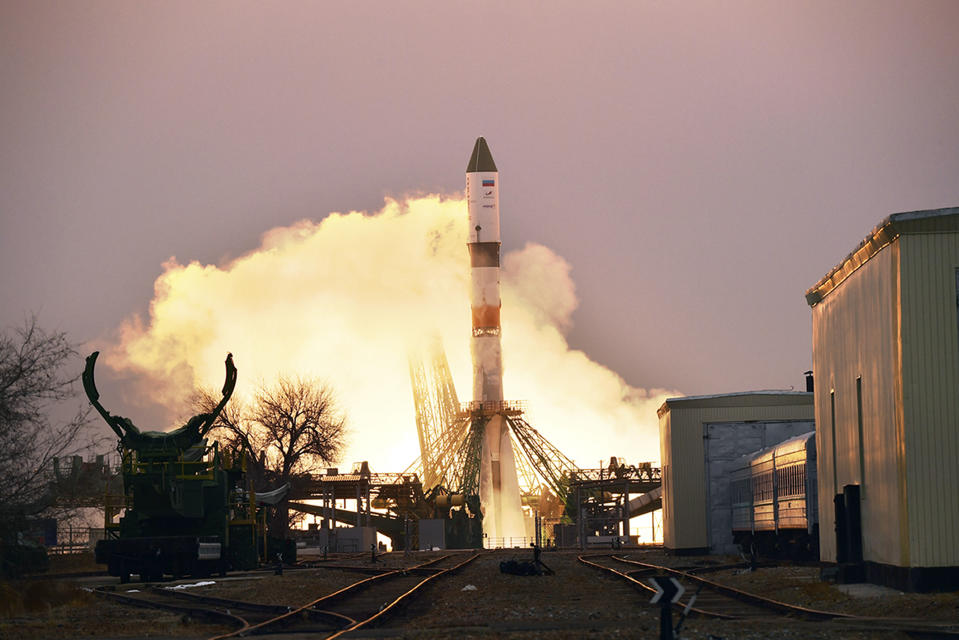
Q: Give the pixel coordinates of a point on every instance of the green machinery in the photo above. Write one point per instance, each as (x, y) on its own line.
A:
(186, 508)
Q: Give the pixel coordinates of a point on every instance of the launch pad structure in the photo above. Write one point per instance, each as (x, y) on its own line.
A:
(482, 457)
(486, 448)
(575, 506)
(452, 435)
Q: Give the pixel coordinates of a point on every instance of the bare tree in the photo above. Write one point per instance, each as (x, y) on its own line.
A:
(34, 380)
(289, 428)
(303, 426)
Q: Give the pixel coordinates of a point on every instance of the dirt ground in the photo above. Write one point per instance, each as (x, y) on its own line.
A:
(477, 602)
(60, 609)
(801, 586)
(576, 602)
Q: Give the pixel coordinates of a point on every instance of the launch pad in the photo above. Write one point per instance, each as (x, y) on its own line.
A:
(452, 437)
(482, 467)
(485, 447)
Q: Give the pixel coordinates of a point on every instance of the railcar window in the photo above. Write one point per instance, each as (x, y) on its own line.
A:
(763, 486)
(797, 480)
(741, 491)
(793, 481)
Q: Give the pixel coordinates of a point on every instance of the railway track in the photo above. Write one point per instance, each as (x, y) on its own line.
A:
(721, 608)
(156, 598)
(353, 607)
(360, 604)
(710, 599)
(716, 598)
(240, 614)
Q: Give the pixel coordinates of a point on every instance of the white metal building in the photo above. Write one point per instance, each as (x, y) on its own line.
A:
(886, 363)
(700, 438)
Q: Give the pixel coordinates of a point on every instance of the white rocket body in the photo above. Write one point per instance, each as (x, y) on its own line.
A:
(498, 484)
(484, 245)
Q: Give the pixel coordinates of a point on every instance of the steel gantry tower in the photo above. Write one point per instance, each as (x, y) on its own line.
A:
(451, 437)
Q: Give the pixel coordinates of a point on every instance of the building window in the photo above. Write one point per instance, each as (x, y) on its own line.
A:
(667, 495)
(832, 428)
(862, 446)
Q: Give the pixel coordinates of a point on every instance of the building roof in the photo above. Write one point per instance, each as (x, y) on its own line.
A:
(803, 441)
(926, 221)
(739, 398)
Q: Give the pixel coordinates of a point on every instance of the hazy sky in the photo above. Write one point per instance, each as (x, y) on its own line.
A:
(699, 165)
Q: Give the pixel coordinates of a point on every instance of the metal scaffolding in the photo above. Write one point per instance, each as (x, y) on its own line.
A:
(438, 424)
(451, 437)
(603, 499)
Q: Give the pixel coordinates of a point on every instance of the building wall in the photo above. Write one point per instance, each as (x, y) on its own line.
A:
(669, 490)
(681, 430)
(930, 374)
(856, 337)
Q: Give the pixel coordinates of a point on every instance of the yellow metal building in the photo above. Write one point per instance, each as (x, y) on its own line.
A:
(886, 364)
(700, 437)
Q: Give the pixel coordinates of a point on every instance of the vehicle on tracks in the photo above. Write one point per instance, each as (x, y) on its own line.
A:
(774, 498)
(186, 509)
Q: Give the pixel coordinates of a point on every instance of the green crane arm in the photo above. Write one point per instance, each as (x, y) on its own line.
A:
(119, 424)
(193, 431)
(228, 385)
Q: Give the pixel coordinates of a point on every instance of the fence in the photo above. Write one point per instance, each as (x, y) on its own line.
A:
(508, 542)
(75, 540)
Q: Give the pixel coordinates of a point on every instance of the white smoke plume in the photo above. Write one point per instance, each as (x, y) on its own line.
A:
(341, 299)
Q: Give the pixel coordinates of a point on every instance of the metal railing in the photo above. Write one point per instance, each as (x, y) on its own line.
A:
(509, 542)
(72, 540)
(496, 406)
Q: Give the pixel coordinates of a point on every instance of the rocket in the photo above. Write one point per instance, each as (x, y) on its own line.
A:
(482, 194)
(499, 484)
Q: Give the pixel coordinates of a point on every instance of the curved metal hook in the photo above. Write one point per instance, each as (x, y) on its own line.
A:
(228, 385)
(120, 425)
(90, 387)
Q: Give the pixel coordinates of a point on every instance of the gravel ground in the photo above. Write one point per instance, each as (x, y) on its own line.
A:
(53, 610)
(801, 586)
(577, 601)
(293, 589)
(300, 586)
(480, 602)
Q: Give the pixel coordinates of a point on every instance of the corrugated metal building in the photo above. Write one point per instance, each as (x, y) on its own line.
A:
(886, 364)
(700, 437)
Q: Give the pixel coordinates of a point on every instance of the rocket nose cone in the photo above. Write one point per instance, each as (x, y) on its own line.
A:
(482, 159)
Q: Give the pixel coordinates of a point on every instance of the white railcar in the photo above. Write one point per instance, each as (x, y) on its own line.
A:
(774, 499)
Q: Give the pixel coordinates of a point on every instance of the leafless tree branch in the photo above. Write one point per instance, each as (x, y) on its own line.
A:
(292, 427)
(34, 379)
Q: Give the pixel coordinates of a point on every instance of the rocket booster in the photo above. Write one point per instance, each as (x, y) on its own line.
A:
(499, 482)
